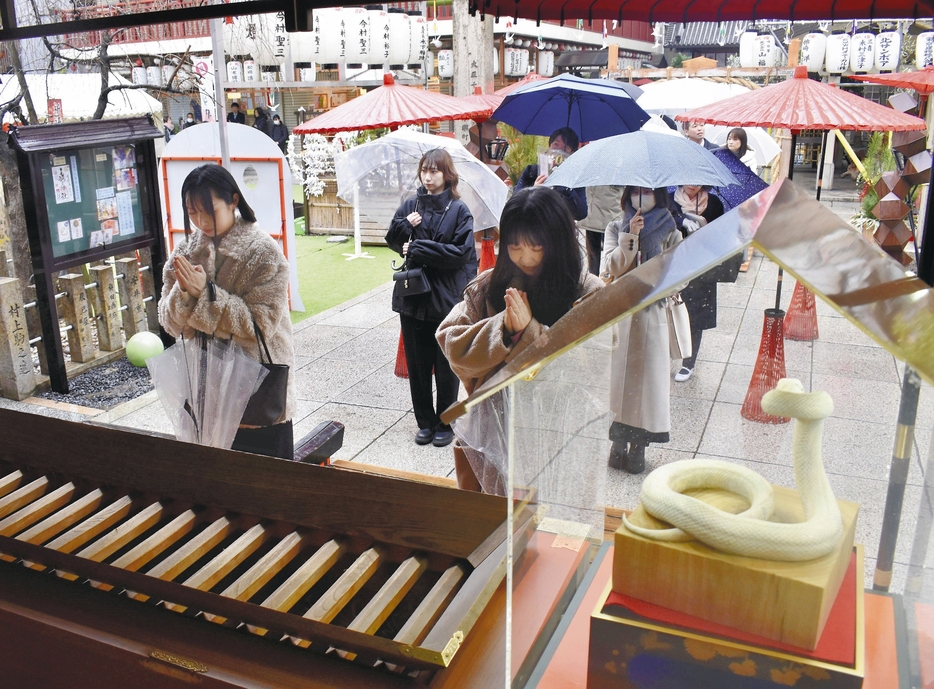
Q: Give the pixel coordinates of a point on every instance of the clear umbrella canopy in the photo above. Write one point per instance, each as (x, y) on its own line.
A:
(384, 172)
(673, 96)
(643, 158)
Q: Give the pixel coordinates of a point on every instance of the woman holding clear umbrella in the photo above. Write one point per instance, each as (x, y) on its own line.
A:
(640, 384)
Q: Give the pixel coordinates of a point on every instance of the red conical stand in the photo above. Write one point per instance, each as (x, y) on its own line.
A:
(801, 321)
(770, 368)
(402, 369)
(487, 256)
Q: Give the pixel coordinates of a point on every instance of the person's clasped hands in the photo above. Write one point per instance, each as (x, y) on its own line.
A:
(191, 278)
(518, 313)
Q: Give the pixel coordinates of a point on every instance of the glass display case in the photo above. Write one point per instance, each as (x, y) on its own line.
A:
(544, 418)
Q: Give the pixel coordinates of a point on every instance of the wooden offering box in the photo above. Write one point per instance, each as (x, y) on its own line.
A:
(370, 570)
(786, 602)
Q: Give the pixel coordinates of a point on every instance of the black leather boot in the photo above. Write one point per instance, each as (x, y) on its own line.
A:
(619, 455)
(635, 463)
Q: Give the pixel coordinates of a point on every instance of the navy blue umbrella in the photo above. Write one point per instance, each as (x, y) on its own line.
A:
(593, 108)
(749, 183)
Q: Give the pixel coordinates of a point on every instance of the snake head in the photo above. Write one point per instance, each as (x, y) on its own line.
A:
(789, 399)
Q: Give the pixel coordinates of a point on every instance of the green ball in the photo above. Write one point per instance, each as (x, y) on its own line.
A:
(143, 346)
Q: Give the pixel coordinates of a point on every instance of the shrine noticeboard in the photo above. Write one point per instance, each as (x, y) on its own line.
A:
(90, 192)
(92, 199)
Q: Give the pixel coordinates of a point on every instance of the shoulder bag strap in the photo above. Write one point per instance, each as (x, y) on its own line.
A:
(261, 344)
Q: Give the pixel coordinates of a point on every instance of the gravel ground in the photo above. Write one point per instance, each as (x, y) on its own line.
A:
(106, 386)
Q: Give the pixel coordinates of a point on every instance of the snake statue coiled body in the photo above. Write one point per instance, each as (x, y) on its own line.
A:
(749, 533)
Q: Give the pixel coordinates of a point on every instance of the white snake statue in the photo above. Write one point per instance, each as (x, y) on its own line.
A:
(750, 533)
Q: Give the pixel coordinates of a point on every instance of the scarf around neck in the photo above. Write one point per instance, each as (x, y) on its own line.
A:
(695, 206)
(658, 227)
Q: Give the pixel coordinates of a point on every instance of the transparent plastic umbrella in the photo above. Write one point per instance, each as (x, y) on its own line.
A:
(384, 174)
(643, 158)
(204, 385)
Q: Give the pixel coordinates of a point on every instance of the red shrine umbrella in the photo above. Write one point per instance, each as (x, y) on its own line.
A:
(795, 104)
(680, 11)
(802, 103)
(392, 105)
(527, 79)
(921, 81)
(484, 100)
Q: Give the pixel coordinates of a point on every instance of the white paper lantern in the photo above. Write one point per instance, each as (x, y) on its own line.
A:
(139, 75)
(250, 71)
(430, 58)
(813, 48)
(888, 50)
(235, 71)
(546, 63)
(167, 74)
(418, 46)
(236, 36)
(924, 50)
(523, 62)
(381, 37)
(400, 38)
(445, 64)
(838, 53)
(154, 76)
(330, 45)
(308, 73)
(747, 49)
(765, 49)
(356, 24)
(495, 62)
(862, 52)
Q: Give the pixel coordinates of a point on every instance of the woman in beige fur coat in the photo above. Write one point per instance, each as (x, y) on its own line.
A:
(536, 280)
(222, 276)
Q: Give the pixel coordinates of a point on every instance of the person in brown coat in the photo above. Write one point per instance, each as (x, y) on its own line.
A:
(225, 274)
(537, 278)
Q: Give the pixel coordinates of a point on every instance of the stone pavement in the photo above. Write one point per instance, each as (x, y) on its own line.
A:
(344, 371)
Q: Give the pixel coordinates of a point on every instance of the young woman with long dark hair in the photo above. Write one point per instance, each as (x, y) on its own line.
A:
(538, 276)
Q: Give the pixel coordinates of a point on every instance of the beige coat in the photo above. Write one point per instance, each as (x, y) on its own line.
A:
(640, 374)
(472, 336)
(252, 281)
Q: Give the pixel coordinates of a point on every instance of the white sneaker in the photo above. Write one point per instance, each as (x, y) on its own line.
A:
(682, 375)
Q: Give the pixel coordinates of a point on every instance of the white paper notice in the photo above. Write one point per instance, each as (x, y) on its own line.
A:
(61, 183)
(125, 212)
(77, 230)
(64, 230)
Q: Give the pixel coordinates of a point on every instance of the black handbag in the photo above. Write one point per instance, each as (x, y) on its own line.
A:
(268, 403)
(411, 281)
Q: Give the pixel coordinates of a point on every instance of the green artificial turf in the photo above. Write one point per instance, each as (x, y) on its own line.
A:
(326, 278)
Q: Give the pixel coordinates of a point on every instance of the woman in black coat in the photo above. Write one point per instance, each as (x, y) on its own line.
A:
(433, 229)
(693, 207)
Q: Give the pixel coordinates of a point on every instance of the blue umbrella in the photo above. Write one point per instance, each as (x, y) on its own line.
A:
(749, 183)
(593, 108)
(644, 159)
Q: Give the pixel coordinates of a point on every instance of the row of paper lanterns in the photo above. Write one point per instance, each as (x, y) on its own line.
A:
(516, 63)
(352, 35)
(157, 76)
(838, 53)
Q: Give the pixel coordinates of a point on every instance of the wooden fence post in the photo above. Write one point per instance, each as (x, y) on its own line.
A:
(76, 312)
(17, 376)
(134, 317)
(149, 290)
(108, 326)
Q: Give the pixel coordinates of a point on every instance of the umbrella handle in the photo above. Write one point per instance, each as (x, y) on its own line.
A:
(395, 267)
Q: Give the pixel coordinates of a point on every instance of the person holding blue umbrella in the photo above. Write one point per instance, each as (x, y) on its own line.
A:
(562, 141)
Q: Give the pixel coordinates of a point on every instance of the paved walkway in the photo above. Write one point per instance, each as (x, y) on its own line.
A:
(344, 371)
